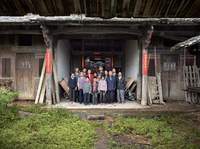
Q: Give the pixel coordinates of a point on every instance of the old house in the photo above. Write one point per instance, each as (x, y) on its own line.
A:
(116, 33)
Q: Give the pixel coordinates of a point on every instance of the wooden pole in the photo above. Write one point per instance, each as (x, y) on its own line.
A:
(40, 82)
(42, 94)
(56, 82)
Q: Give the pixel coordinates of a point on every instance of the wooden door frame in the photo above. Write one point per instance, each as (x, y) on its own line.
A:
(34, 63)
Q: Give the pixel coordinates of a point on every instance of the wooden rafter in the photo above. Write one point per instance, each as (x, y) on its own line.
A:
(124, 8)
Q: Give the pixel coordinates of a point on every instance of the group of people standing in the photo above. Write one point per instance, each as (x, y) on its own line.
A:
(101, 86)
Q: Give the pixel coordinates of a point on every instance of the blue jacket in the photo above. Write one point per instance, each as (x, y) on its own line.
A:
(111, 83)
(72, 83)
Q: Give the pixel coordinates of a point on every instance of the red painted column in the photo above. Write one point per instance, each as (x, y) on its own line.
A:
(49, 67)
(48, 61)
(144, 100)
(145, 62)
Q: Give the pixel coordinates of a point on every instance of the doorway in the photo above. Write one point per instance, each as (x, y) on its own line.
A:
(25, 75)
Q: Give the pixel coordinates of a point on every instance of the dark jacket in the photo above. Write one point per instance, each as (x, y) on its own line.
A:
(111, 83)
(72, 83)
(120, 84)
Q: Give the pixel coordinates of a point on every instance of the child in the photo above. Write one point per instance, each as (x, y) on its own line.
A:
(72, 83)
(102, 88)
(87, 90)
(120, 88)
(95, 91)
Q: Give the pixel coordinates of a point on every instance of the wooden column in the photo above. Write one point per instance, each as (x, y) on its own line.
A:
(144, 76)
(48, 39)
(49, 68)
(146, 42)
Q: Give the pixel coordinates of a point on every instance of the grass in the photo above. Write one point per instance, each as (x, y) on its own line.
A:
(58, 128)
(43, 129)
(50, 129)
(166, 131)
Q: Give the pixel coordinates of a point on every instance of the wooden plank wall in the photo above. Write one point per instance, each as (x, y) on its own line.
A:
(10, 51)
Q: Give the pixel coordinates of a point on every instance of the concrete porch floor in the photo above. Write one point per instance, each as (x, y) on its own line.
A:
(129, 106)
(125, 106)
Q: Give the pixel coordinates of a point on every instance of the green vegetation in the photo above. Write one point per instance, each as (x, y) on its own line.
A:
(167, 131)
(6, 96)
(58, 128)
(43, 129)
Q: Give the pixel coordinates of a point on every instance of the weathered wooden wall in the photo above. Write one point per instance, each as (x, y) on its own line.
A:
(13, 51)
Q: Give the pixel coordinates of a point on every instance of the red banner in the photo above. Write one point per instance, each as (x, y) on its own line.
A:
(48, 61)
(145, 63)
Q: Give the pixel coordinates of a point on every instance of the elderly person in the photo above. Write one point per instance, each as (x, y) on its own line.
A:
(80, 83)
(111, 87)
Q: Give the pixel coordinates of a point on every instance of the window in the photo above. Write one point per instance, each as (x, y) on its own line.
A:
(6, 67)
(24, 40)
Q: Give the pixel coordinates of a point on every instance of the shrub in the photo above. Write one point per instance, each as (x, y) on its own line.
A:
(6, 96)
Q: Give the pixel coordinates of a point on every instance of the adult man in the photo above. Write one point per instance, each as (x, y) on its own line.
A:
(114, 73)
(120, 88)
(111, 87)
(72, 83)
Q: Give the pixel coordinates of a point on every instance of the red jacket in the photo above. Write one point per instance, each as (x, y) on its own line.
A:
(91, 77)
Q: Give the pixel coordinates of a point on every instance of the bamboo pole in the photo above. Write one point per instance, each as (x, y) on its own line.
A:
(40, 82)
(42, 94)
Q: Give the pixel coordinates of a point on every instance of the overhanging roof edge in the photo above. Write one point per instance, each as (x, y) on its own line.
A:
(79, 19)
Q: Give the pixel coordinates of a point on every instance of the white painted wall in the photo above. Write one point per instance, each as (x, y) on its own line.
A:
(62, 56)
(131, 59)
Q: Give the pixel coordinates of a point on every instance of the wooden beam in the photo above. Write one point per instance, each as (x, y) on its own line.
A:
(32, 32)
(96, 31)
(81, 19)
(100, 36)
(187, 43)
